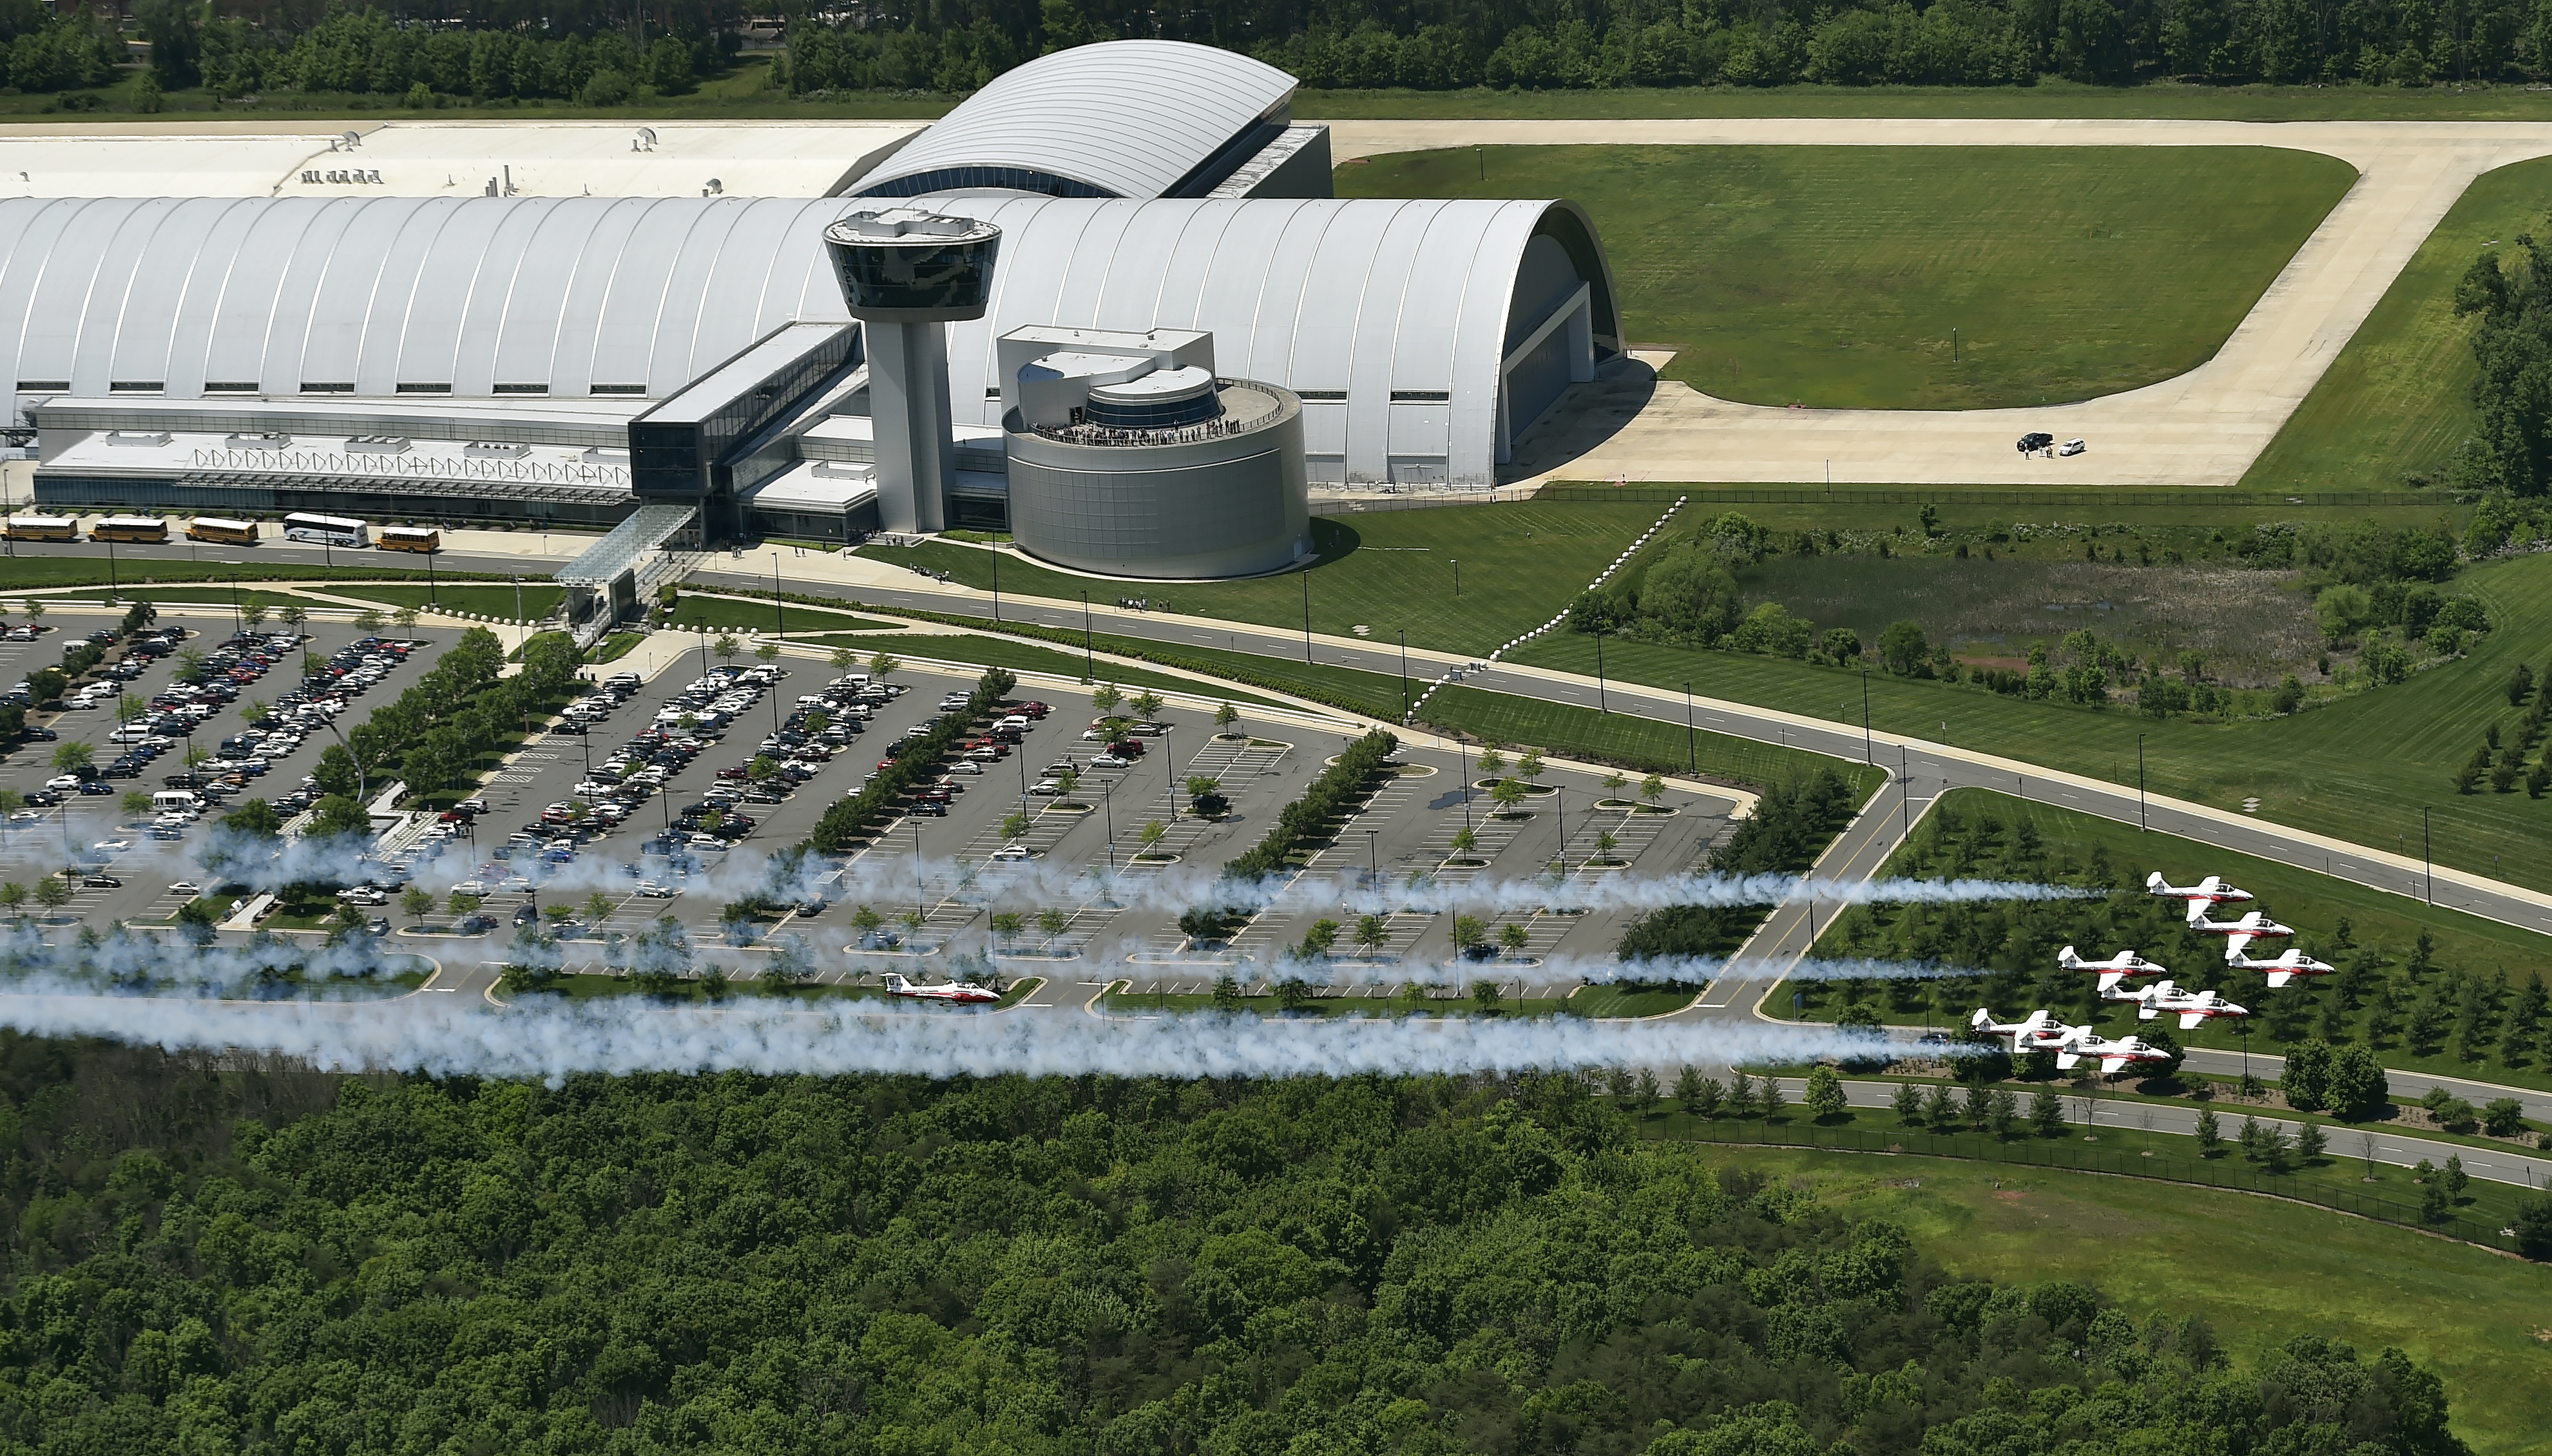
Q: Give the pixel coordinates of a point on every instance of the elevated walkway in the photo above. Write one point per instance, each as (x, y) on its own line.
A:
(603, 583)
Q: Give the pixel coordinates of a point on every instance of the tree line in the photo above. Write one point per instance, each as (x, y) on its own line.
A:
(229, 1255)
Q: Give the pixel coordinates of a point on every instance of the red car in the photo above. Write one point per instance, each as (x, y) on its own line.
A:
(1033, 708)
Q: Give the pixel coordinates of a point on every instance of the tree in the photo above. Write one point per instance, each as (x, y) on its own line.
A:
(1014, 824)
(2046, 1112)
(1530, 766)
(1145, 704)
(2503, 1117)
(71, 756)
(843, 659)
(1767, 1098)
(1651, 787)
(1824, 1099)
(2210, 1135)
(2455, 1178)
(2533, 1224)
(1464, 841)
(1486, 998)
(2356, 1088)
(1471, 932)
(883, 666)
(1318, 940)
(134, 805)
(1687, 1090)
(1372, 932)
(1152, 835)
(1614, 782)
(1512, 938)
(1227, 993)
(1492, 763)
(1741, 1093)
(1907, 1103)
(53, 892)
(1903, 647)
(457, 905)
(254, 614)
(1205, 796)
(12, 898)
(767, 654)
(337, 815)
(1937, 1111)
(1105, 697)
(867, 922)
(293, 615)
(2307, 1077)
(258, 819)
(417, 903)
(1224, 716)
(405, 616)
(2310, 1142)
(1508, 793)
(1051, 923)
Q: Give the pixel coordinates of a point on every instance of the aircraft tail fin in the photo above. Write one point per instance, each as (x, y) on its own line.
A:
(1983, 1019)
(2067, 957)
(2155, 880)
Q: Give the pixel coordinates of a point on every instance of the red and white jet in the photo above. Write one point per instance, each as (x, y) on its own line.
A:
(2191, 1006)
(2238, 934)
(2115, 1056)
(2041, 1032)
(2111, 971)
(954, 992)
(2281, 967)
(2210, 891)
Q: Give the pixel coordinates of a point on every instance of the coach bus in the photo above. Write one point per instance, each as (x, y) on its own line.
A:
(409, 538)
(226, 533)
(43, 528)
(326, 530)
(140, 530)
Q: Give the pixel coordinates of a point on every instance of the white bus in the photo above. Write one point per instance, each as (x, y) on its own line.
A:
(326, 530)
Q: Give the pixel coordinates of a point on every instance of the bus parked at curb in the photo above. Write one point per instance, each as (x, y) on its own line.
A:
(424, 539)
(136, 529)
(326, 530)
(222, 532)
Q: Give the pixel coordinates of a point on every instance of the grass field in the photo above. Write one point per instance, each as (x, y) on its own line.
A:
(2360, 769)
(2313, 904)
(1834, 275)
(1028, 657)
(1389, 571)
(1644, 744)
(695, 612)
(538, 600)
(2257, 1269)
(2049, 97)
(2397, 401)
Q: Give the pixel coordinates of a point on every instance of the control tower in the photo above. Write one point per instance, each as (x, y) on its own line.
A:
(906, 273)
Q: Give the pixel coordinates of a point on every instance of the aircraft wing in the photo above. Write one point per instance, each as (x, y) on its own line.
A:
(2066, 1060)
(2110, 980)
(2147, 1012)
(2113, 1065)
(2191, 1020)
(2279, 977)
(2236, 943)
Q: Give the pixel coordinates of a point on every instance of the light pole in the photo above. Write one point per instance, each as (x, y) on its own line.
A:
(779, 609)
(1559, 810)
(1307, 615)
(2140, 784)
(1691, 744)
(113, 587)
(1869, 750)
(1372, 862)
(1089, 664)
(1462, 767)
(1404, 675)
(1599, 671)
(997, 583)
(2428, 856)
(1458, 579)
(1107, 806)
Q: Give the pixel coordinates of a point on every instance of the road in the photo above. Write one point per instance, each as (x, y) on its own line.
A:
(2495, 1164)
(1929, 768)
(2201, 428)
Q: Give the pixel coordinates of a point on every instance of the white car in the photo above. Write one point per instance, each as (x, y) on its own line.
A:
(64, 783)
(965, 766)
(650, 890)
(594, 788)
(112, 846)
(1110, 761)
(1012, 852)
(470, 887)
(2072, 447)
(1047, 787)
(187, 888)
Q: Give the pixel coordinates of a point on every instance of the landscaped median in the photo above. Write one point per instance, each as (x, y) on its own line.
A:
(918, 758)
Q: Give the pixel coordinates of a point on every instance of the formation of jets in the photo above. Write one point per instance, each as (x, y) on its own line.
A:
(2040, 1031)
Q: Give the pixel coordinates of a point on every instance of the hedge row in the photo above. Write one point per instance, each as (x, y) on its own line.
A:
(847, 820)
(1306, 817)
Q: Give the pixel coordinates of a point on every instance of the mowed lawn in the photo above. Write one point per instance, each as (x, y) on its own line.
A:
(1387, 572)
(2257, 1269)
(2360, 769)
(2397, 401)
(1834, 275)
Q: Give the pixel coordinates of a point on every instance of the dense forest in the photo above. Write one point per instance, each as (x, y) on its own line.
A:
(272, 1261)
(605, 55)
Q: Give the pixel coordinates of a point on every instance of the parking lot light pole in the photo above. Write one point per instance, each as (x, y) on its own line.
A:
(1088, 665)
(1404, 675)
(1307, 616)
(1869, 750)
(2140, 784)
(2428, 856)
(1599, 671)
(779, 609)
(112, 585)
(1691, 740)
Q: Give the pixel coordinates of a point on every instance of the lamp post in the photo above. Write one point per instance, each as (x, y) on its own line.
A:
(1458, 579)
(1599, 671)
(1307, 615)
(1372, 860)
(997, 583)
(1089, 664)
(113, 587)
(779, 610)
(2140, 784)
(1869, 750)
(1462, 767)
(1691, 744)
(2428, 856)
(1404, 675)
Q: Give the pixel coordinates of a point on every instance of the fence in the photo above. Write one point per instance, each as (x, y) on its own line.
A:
(2031, 1151)
(1706, 495)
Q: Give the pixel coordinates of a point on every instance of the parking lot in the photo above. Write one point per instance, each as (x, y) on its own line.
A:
(95, 828)
(1037, 855)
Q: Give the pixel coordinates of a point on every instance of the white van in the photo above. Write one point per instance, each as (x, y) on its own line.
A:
(174, 801)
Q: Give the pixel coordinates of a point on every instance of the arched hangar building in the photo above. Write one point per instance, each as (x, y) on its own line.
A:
(574, 359)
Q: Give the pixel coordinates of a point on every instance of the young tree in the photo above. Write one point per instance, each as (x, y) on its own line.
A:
(1486, 998)
(1051, 923)
(1464, 841)
(135, 803)
(1767, 1098)
(1227, 993)
(459, 905)
(1614, 782)
(597, 907)
(2211, 1136)
(368, 621)
(71, 756)
(1937, 1111)
(1492, 763)
(1318, 940)
(1529, 766)
(293, 615)
(1651, 787)
(1979, 1105)
(1508, 793)
(1152, 835)
(2310, 1142)
(254, 614)
(1644, 1095)
(12, 899)
(1205, 798)
(1105, 697)
(405, 616)
(52, 893)
(843, 659)
(766, 653)
(1014, 824)
(1145, 704)
(726, 646)
(1512, 938)
(1006, 924)
(1372, 932)
(1741, 1093)
(1469, 933)
(2454, 1177)
(1908, 1104)
(883, 666)
(418, 902)
(867, 922)
(1824, 1098)
(2046, 1112)
(1224, 716)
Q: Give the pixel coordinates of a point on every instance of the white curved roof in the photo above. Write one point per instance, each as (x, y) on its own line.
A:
(378, 292)
(1394, 318)
(1121, 119)
(1352, 302)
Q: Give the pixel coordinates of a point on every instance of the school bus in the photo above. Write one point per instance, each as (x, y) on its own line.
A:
(408, 538)
(43, 528)
(141, 530)
(226, 533)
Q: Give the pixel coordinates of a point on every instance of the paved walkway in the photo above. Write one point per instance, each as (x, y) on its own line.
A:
(2201, 427)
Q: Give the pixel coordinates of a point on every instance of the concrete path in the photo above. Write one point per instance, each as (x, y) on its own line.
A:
(2201, 427)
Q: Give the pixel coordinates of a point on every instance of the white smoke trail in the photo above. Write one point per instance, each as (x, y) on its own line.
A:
(448, 1036)
(1555, 970)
